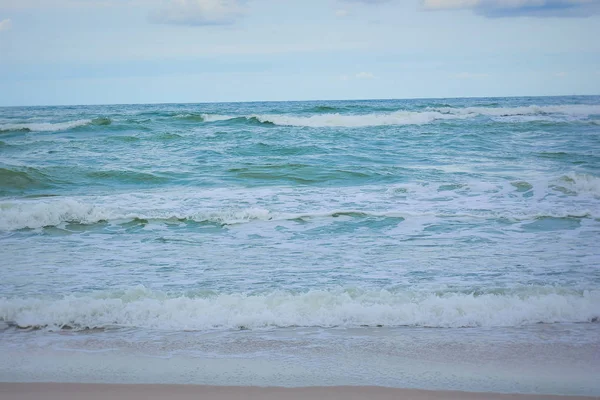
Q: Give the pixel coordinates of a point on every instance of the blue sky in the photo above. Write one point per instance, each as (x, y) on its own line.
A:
(149, 51)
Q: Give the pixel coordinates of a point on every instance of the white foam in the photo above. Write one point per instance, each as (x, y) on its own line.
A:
(403, 117)
(44, 213)
(340, 120)
(571, 195)
(37, 214)
(216, 117)
(46, 126)
(579, 110)
(582, 183)
(140, 307)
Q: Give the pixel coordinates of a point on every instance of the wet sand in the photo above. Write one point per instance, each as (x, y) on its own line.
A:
(72, 391)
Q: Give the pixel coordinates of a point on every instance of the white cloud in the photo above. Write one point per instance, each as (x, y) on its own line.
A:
(342, 13)
(449, 4)
(367, 1)
(357, 76)
(507, 8)
(471, 75)
(198, 12)
(5, 24)
(364, 75)
(20, 4)
(561, 74)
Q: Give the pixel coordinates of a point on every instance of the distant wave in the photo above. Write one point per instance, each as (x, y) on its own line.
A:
(216, 117)
(344, 116)
(347, 108)
(411, 117)
(191, 117)
(140, 307)
(567, 109)
(339, 120)
(53, 127)
(323, 109)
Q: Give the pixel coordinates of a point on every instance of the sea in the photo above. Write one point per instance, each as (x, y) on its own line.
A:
(429, 243)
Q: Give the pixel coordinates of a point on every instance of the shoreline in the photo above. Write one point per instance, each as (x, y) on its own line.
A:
(559, 360)
(93, 391)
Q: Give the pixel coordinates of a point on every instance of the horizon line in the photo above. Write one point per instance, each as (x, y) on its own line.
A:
(299, 101)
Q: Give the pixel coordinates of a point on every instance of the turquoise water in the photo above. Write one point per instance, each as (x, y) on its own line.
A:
(263, 218)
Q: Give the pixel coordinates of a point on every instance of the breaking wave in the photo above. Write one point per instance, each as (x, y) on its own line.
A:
(140, 307)
(581, 183)
(578, 110)
(191, 117)
(47, 213)
(402, 117)
(53, 127)
(56, 212)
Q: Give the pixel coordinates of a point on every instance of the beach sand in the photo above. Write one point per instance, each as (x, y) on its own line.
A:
(71, 391)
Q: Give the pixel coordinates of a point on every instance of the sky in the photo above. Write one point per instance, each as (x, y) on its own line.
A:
(55, 52)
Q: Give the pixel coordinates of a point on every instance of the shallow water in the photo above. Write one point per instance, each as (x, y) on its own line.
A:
(253, 219)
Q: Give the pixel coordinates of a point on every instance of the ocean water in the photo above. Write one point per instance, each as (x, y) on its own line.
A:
(441, 243)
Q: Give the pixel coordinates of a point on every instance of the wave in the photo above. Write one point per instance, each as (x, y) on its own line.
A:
(167, 136)
(142, 308)
(403, 117)
(577, 183)
(217, 117)
(17, 179)
(54, 127)
(323, 109)
(191, 117)
(340, 120)
(253, 119)
(21, 178)
(126, 176)
(297, 173)
(101, 121)
(35, 213)
(41, 212)
(55, 212)
(580, 110)
(48, 212)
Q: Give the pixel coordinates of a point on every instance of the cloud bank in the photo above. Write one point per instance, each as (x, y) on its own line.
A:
(5, 24)
(198, 12)
(512, 8)
(471, 75)
(364, 75)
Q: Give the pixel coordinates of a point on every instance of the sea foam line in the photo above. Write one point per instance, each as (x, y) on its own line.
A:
(53, 127)
(44, 212)
(403, 117)
(35, 215)
(317, 308)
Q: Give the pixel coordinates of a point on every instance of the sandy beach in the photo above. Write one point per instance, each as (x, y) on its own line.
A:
(72, 391)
